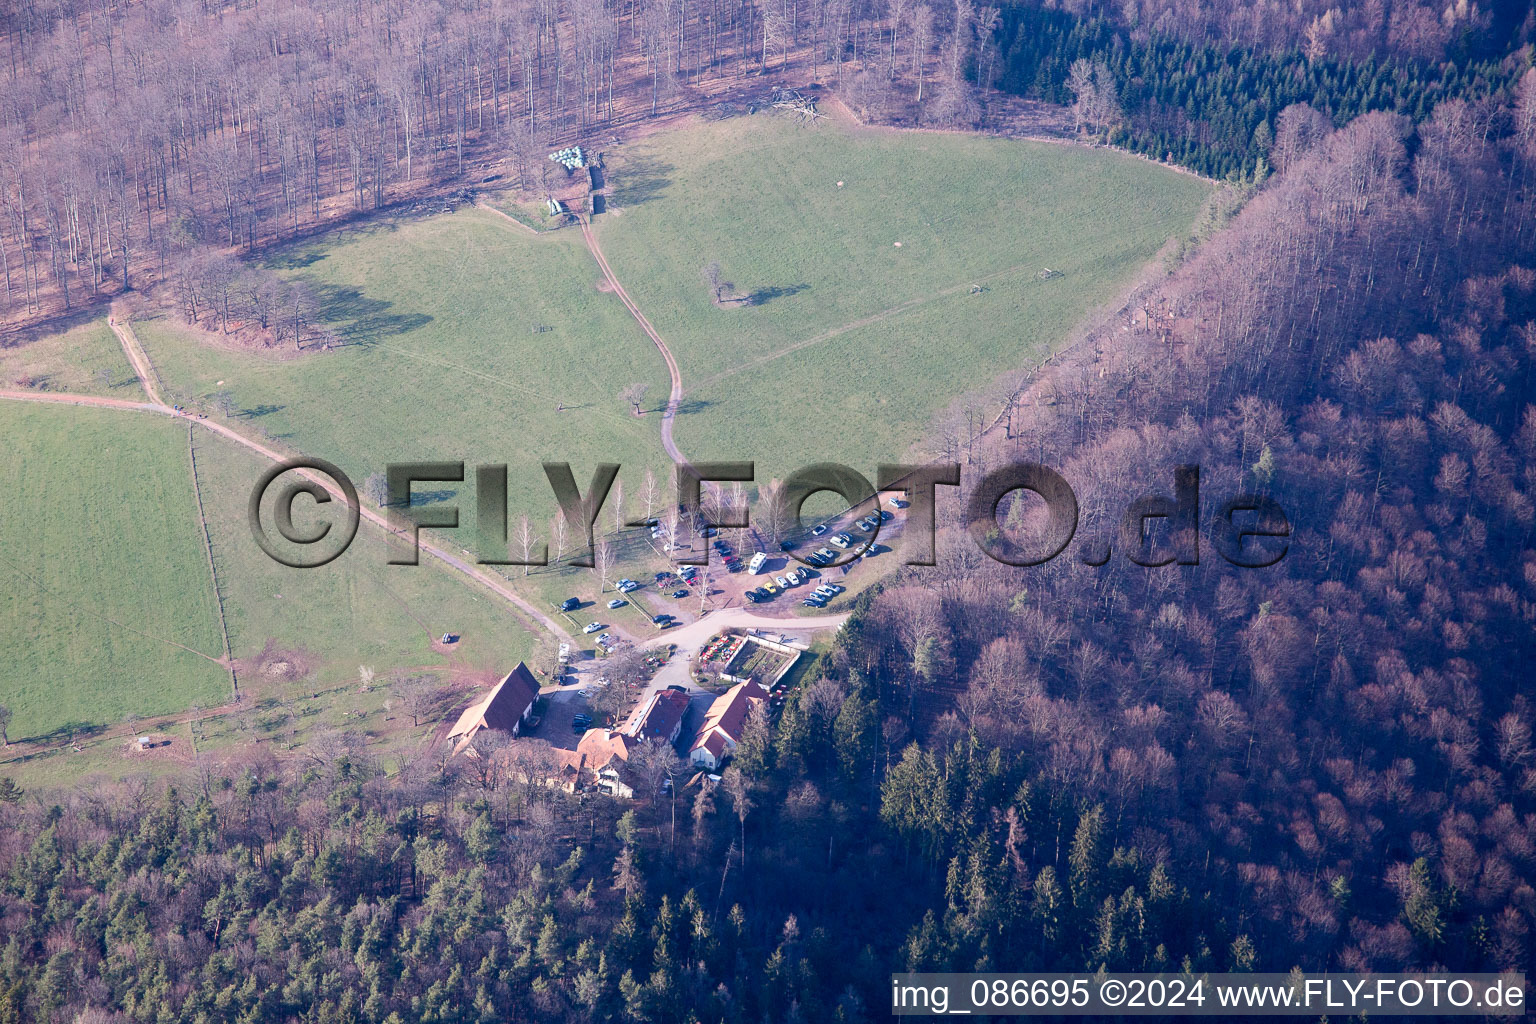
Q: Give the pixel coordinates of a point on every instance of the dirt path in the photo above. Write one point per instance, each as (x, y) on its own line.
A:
(866, 321)
(504, 215)
(142, 366)
(138, 359)
(66, 398)
(670, 413)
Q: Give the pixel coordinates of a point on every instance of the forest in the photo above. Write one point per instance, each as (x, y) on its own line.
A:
(1324, 764)
(1215, 109)
(143, 142)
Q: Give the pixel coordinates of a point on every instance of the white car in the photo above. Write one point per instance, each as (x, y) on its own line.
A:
(617, 602)
(592, 627)
(842, 540)
(817, 531)
(825, 554)
(783, 583)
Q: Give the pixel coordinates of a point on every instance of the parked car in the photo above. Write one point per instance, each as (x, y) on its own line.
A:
(866, 525)
(679, 593)
(818, 530)
(885, 516)
(814, 602)
(570, 604)
(897, 503)
(585, 693)
(592, 627)
(842, 540)
(770, 588)
(617, 602)
(783, 583)
(826, 554)
(751, 595)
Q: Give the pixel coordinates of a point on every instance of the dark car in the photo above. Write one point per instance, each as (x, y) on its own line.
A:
(570, 604)
(679, 593)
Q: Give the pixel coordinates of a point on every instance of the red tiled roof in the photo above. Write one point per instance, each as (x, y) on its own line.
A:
(503, 707)
(729, 711)
(662, 716)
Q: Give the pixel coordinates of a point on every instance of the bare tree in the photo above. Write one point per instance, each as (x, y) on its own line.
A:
(713, 278)
(651, 494)
(526, 539)
(604, 564)
(557, 529)
(418, 696)
(739, 788)
(652, 761)
(634, 394)
(618, 505)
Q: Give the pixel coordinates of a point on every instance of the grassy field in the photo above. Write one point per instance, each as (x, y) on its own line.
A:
(104, 571)
(85, 359)
(81, 668)
(856, 342)
(464, 336)
(356, 610)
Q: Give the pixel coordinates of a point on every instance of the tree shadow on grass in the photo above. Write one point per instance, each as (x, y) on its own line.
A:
(67, 731)
(766, 295)
(690, 406)
(640, 180)
(260, 410)
(360, 320)
(296, 260)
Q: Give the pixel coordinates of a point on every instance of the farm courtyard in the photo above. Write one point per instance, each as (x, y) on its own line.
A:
(887, 276)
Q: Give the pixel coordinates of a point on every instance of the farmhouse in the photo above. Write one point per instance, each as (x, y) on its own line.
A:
(605, 753)
(660, 718)
(723, 725)
(504, 709)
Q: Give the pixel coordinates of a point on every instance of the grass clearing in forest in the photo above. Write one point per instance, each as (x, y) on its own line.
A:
(890, 272)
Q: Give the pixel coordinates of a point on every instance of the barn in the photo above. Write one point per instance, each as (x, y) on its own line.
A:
(505, 708)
